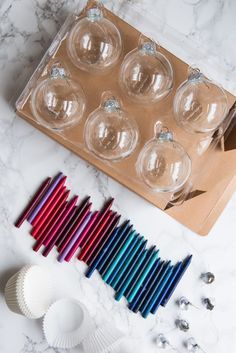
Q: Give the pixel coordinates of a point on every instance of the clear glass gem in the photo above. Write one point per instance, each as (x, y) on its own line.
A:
(209, 303)
(192, 345)
(208, 277)
(183, 325)
(162, 342)
(184, 303)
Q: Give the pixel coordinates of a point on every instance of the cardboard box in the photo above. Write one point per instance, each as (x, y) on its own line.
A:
(214, 172)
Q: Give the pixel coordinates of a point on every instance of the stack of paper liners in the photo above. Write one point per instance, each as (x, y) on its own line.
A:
(212, 188)
(29, 292)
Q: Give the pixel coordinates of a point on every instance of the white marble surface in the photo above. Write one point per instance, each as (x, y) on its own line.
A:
(26, 157)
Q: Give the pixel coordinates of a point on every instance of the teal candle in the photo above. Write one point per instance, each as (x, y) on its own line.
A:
(157, 291)
(118, 257)
(126, 265)
(142, 277)
(114, 249)
(160, 297)
(155, 284)
(150, 253)
(127, 282)
(124, 258)
(151, 287)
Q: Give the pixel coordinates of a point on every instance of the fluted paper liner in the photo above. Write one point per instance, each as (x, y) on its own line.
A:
(66, 324)
(29, 292)
(104, 339)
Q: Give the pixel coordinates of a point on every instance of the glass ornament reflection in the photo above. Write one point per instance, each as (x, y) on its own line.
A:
(58, 102)
(94, 43)
(110, 133)
(163, 164)
(200, 105)
(146, 75)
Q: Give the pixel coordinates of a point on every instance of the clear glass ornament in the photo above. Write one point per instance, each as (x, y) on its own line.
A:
(163, 164)
(200, 105)
(58, 102)
(208, 277)
(94, 43)
(146, 75)
(110, 133)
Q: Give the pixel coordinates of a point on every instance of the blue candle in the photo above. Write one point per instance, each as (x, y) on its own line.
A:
(145, 285)
(117, 258)
(171, 290)
(124, 258)
(156, 293)
(159, 299)
(159, 278)
(143, 274)
(102, 254)
(138, 248)
(151, 251)
(114, 249)
(149, 289)
(131, 274)
(109, 245)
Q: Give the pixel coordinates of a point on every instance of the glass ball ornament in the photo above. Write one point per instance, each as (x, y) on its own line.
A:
(200, 105)
(163, 164)
(58, 102)
(110, 133)
(94, 43)
(146, 75)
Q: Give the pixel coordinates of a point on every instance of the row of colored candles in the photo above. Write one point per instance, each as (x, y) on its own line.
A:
(117, 252)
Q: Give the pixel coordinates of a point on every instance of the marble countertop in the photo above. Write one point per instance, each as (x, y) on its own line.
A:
(26, 157)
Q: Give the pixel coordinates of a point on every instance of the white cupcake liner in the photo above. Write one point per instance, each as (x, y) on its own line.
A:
(13, 294)
(29, 292)
(103, 340)
(66, 324)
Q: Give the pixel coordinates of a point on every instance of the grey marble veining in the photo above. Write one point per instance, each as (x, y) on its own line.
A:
(201, 32)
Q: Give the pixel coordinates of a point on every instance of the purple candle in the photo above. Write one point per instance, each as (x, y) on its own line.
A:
(45, 197)
(67, 249)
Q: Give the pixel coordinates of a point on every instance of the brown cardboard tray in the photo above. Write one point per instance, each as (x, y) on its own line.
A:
(213, 174)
